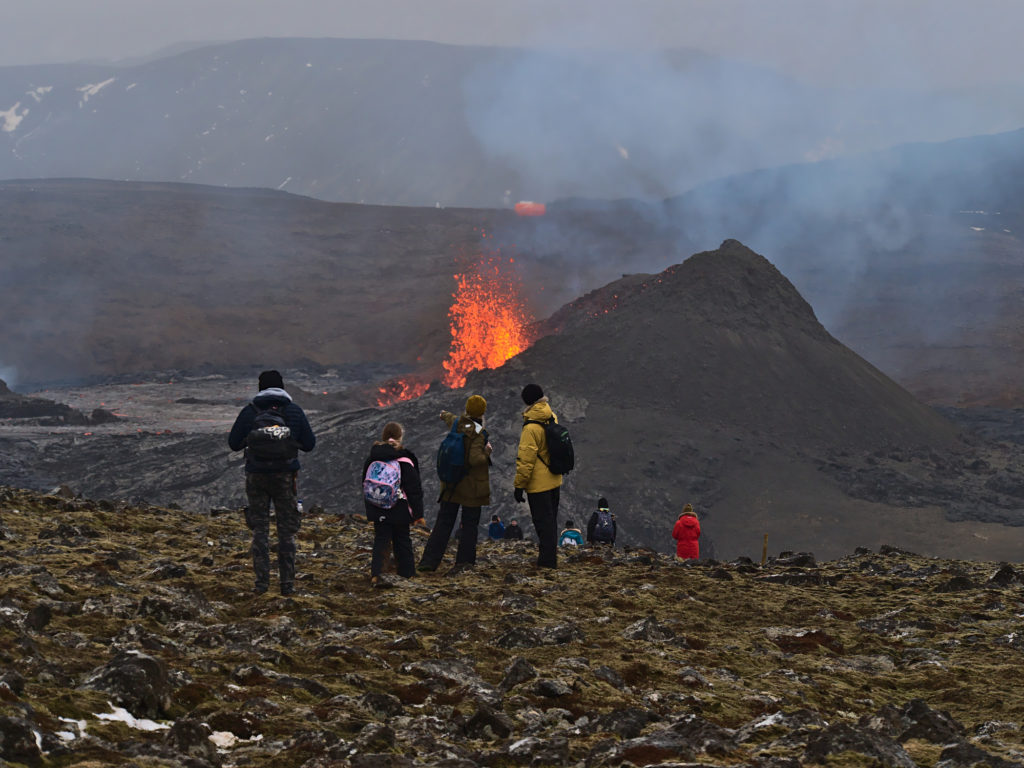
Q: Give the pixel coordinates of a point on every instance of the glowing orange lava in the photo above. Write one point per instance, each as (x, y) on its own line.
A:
(401, 389)
(489, 320)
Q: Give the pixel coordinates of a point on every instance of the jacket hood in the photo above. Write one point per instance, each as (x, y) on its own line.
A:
(272, 396)
(539, 411)
(690, 520)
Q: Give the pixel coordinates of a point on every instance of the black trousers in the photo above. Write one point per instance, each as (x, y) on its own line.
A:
(261, 489)
(544, 512)
(397, 535)
(433, 552)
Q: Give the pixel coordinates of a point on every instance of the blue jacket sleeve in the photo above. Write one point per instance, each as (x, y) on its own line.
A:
(241, 428)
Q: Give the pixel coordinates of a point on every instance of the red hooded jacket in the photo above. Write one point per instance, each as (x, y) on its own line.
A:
(687, 533)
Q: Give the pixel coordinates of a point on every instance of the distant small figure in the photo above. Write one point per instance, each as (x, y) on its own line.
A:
(513, 532)
(496, 530)
(602, 527)
(687, 534)
(393, 499)
(571, 536)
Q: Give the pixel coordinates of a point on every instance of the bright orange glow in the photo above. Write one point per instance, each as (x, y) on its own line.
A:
(401, 389)
(489, 320)
(530, 208)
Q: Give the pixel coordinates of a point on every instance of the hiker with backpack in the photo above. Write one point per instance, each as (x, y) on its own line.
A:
(602, 527)
(463, 467)
(686, 532)
(571, 536)
(545, 454)
(272, 429)
(393, 498)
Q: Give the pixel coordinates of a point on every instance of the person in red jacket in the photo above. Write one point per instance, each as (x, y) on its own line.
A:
(687, 534)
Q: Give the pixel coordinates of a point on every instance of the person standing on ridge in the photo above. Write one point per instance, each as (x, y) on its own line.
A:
(391, 478)
(686, 532)
(602, 528)
(533, 478)
(471, 491)
(272, 429)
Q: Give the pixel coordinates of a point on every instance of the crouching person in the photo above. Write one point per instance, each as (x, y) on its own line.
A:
(394, 499)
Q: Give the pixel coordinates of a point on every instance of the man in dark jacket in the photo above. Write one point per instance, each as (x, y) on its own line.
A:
(513, 531)
(272, 429)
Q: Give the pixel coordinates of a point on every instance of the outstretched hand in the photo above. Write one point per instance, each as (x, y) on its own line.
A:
(519, 496)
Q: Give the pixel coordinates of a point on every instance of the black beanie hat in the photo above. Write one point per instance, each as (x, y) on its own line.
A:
(602, 503)
(270, 379)
(532, 393)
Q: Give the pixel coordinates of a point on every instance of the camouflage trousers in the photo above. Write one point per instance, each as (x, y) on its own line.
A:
(261, 489)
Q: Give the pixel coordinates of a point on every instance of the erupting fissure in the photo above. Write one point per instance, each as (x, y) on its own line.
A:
(489, 319)
(489, 322)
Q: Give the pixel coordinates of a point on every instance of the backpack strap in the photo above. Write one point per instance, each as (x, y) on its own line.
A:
(541, 424)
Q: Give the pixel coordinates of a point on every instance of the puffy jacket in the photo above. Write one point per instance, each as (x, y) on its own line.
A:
(496, 530)
(473, 490)
(687, 533)
(513, 532)
(411, 507)
(293, 416)
(570, 537)
(532, 473)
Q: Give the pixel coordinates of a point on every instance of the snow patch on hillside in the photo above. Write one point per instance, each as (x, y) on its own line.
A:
(92, 89)
(10, 118)
(39, 92)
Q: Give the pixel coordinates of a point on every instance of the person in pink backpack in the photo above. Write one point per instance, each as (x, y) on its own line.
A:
(687, 535)
(393, 498)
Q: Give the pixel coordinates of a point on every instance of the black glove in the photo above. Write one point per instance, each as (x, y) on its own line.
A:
(519, 495)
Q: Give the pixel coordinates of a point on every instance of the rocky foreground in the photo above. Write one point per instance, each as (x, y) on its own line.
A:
(130, 636)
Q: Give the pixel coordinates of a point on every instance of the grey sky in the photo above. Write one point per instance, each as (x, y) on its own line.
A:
(899, 42)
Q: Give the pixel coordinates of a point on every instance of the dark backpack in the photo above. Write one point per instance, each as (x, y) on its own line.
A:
(561, 458)
(269, 444)
(452, 463)
(604, 528)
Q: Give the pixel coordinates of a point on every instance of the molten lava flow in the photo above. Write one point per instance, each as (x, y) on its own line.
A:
(401, 389)
(489, 320)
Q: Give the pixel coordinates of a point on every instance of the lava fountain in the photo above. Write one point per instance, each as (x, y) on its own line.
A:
(489, 323)
(489, 319)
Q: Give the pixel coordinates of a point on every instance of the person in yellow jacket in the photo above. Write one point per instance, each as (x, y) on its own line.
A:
(540, 485)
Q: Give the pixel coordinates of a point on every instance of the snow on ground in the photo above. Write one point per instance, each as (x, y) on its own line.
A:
(10, 119)
(92, 89)
(124, 716)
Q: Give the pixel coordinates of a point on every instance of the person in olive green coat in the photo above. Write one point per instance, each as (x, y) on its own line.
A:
(542, 487)
(471, 493)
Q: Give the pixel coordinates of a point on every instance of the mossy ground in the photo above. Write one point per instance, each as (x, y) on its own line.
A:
(728, 645)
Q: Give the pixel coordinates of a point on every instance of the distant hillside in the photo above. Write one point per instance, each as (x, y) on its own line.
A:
(411, 123)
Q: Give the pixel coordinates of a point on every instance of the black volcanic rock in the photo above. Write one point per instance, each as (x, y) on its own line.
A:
(725, 338)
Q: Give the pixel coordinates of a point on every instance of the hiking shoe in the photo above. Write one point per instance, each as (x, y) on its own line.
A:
(287, 590)
(259, 589)
(426, 568)
(458, 568)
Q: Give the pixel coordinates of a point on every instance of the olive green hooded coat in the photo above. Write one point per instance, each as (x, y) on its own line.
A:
(473, 490)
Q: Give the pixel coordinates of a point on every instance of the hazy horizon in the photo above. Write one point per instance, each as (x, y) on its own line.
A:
(920, 44)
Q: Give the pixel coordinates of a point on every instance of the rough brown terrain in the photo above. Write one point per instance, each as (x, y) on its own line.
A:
(128, 637)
